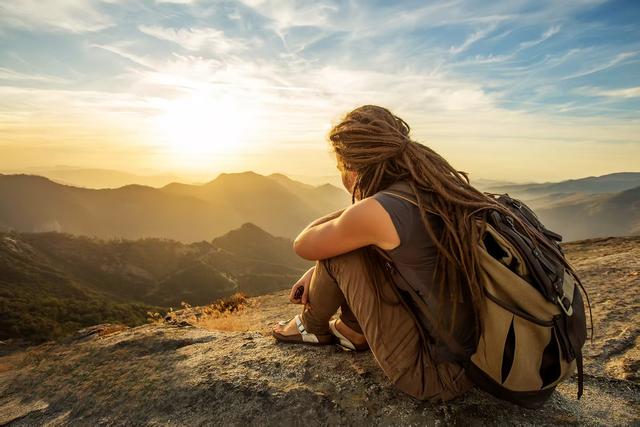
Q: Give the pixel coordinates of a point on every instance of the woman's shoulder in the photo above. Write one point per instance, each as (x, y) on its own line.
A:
(401, 190)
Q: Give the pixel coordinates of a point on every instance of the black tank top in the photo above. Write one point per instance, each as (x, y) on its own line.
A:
(415, 260)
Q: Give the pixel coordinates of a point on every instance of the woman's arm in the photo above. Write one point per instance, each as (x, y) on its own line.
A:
(324, 219)
(361, 224)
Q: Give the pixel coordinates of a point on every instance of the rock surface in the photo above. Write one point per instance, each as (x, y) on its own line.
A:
(227, 370)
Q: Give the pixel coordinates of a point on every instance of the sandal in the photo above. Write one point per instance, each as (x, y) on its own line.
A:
(344, 341)
(304, 337)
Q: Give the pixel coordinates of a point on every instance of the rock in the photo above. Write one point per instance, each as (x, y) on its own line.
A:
(163, 374)
(100, 330)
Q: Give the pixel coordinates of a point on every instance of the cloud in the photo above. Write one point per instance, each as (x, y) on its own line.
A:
(8, 74)
(618, 59)
(473, 38)
(73, 16)
(284, 14)
(196, 39)
(552, 31)
(123, 53)
(630, 92)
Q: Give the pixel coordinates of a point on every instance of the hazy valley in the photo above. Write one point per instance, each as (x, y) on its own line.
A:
(51, 284)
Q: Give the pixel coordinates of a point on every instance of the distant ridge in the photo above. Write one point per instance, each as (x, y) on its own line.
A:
(97, 178)
(184, 212)
(577, 209)
(610, 183)
(598, 215)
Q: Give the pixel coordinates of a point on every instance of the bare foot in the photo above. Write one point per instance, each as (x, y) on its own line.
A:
(289, 329)
(350, 334)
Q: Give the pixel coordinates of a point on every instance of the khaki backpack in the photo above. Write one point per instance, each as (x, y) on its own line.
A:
(533, 325)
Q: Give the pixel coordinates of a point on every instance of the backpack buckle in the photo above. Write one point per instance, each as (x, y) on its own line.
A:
(390, 266)
(568, 309)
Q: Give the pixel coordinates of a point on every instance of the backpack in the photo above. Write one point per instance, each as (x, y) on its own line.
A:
(533, 326)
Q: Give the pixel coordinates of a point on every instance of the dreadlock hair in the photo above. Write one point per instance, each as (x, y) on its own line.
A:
(375, 144)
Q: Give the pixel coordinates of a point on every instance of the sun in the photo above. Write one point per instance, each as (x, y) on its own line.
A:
(198, 129)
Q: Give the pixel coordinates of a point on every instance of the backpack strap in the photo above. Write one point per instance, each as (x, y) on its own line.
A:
(410, 200)
(580, 373)
(414, 304)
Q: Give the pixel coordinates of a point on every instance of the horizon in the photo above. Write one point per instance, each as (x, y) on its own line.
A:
(523, 92)
(315, 181)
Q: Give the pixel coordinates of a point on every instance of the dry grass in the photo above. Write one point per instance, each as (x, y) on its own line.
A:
(220, 313)
(229, 323)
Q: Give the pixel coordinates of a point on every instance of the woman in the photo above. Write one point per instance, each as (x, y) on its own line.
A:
(401, 267)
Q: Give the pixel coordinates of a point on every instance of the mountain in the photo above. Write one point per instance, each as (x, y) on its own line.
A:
(53, 282)
(280, 207)
(607, 205)
(322, 195)
(200, 369)
(254, 243)
(585, 216)
(32, 203)
(483, 184)
(177, 211)
(334, 180)
(100, 178)
(611, 183)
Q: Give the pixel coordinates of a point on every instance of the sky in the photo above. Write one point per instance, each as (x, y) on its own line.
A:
(521, 90)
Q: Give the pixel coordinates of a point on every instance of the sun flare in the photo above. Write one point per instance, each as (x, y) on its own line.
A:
(197, 129)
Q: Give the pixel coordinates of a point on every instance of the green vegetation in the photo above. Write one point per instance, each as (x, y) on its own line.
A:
(38, 319)
(52, 284)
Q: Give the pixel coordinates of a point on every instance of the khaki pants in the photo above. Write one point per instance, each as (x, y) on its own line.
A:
(387, 324)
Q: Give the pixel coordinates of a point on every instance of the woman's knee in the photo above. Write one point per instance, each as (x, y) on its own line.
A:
(342, 264)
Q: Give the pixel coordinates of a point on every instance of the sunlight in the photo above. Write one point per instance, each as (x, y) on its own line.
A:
(197, 129)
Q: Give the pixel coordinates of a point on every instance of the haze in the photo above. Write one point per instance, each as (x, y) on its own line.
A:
(517, 91)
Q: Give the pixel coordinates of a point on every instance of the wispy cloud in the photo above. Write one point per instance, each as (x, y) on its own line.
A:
(630, 92)
(196, 39)
(7, 74)
(616, 60)
(123, 53)
(546, 35)
(75, 16)
(473, 38)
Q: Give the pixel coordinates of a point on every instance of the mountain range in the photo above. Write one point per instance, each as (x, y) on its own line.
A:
(577, 209)
(580, 216)
(611, 183)
(183, 212)
(102, 178)
(595, 206)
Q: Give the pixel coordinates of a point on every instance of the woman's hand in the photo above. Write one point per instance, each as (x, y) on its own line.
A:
(300, 290)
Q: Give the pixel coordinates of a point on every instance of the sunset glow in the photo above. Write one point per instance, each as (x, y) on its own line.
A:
(196, 129)
(208, 87)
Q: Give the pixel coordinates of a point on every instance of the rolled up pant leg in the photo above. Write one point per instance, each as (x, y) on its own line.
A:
(391, 331)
